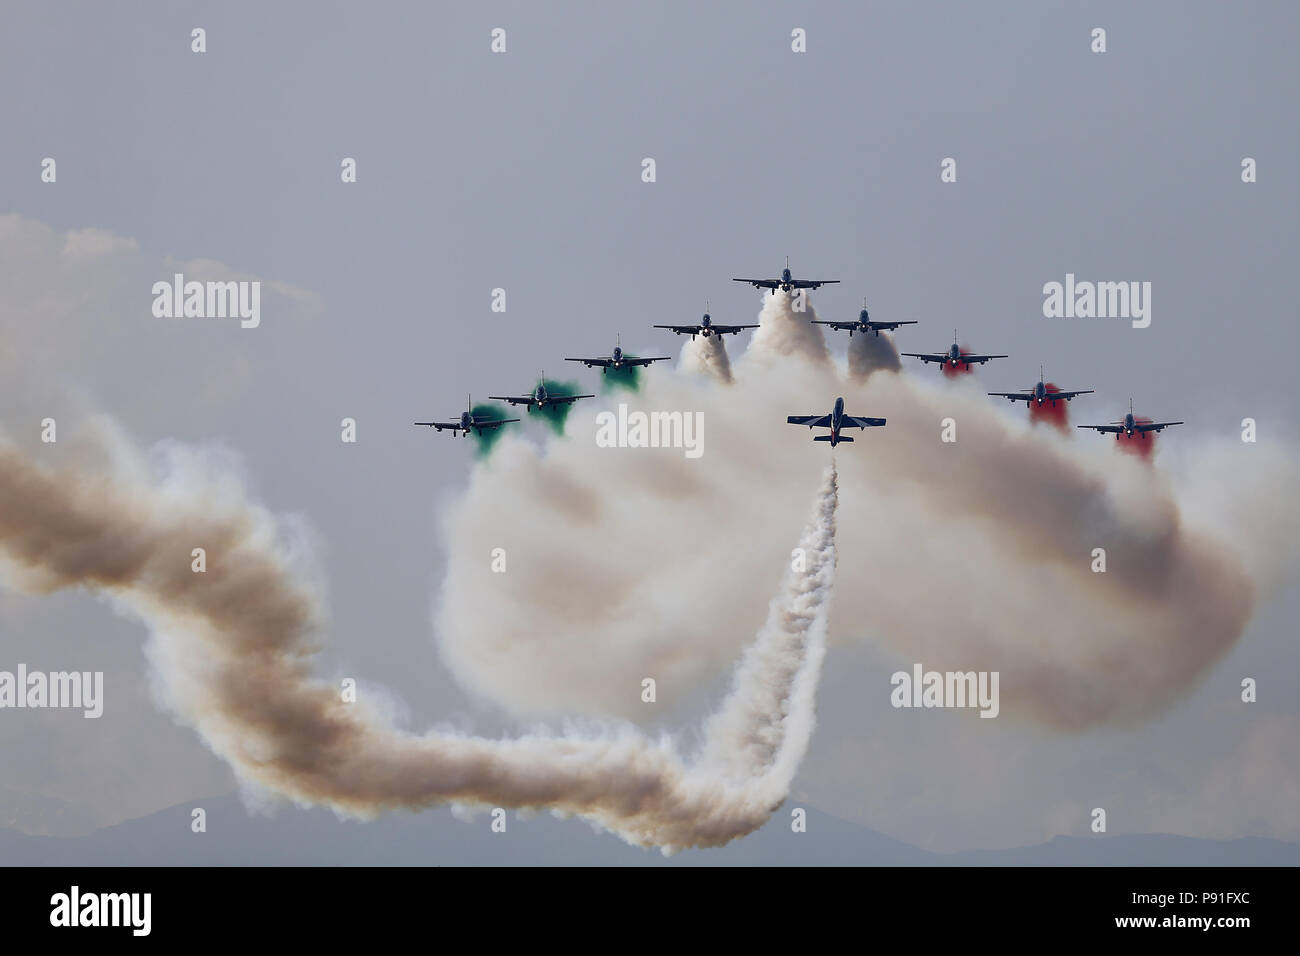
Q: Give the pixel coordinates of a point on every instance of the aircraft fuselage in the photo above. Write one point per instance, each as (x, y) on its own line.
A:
(837, 419)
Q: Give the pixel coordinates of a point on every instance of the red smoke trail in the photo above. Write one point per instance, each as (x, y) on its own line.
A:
(1050, 413)
(1141, 444)
(961, 368)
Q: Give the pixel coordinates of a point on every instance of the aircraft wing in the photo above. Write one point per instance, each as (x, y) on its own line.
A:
(439, 426)
(979, 359)
(853, 421)
(1110, 429)
(812, 421)
(680, 329)
(929, 356)
(729, 329)
(1154, 426)
(761, 283)
(811, 283)
(1016, 396)
(1069, 395)
(837, 326)
(645, 361)
(592, 362)
(889, 326)
(494, 423)
(513, 399)
(567, 399)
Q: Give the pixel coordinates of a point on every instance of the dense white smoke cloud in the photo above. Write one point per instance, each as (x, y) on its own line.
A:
(977, 553)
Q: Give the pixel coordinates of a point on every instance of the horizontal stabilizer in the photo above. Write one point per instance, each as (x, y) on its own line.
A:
(828, 438)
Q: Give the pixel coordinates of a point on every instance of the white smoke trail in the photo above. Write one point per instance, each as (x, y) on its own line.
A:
(767, 720)
(870, 353)
(707, 356)
(234, 644)
(782, 331)
(660, 553)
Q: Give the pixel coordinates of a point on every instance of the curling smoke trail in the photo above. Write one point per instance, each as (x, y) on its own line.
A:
(234, 645)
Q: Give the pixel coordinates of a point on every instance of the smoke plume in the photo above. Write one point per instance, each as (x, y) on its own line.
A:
(233, 644)
(1098, 588)
(1139, 444)
(782, 331)
(708, 357)
(870, 353)
(1101, 588)
(1056, 414)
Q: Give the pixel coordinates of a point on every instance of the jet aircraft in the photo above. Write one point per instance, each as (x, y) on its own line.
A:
(835, 421)
(1130, 426)
(953, 357)
(706, 327)
(864, 324)
(468, 422)
(787, 282)
(1039, 393)
(617, 359)
(540, 398)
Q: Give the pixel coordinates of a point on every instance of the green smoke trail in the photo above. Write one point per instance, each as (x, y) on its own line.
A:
(555, 415)
(628, 377)
(484, 441)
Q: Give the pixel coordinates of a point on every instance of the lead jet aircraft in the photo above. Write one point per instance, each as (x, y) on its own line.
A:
(787, 282)
(1130, 426)
(834, 421)
(617, 359)
(540, 398)
(1039, 393)
(864, 324)
(468, 422)
(706, 327)
(953, 356)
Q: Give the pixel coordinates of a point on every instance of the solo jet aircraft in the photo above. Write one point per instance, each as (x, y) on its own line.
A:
(617, 359)
(469, 422)
(1039, 393)
(540, 398)
(953, 356)
(1130, 426)
(864, 324)
(787, 282)
(834, 421)
(706, 327)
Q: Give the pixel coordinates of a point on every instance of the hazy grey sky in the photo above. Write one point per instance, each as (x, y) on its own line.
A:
(523, 171)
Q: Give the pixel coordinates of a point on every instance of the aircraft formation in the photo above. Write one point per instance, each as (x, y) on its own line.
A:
(953, 358)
